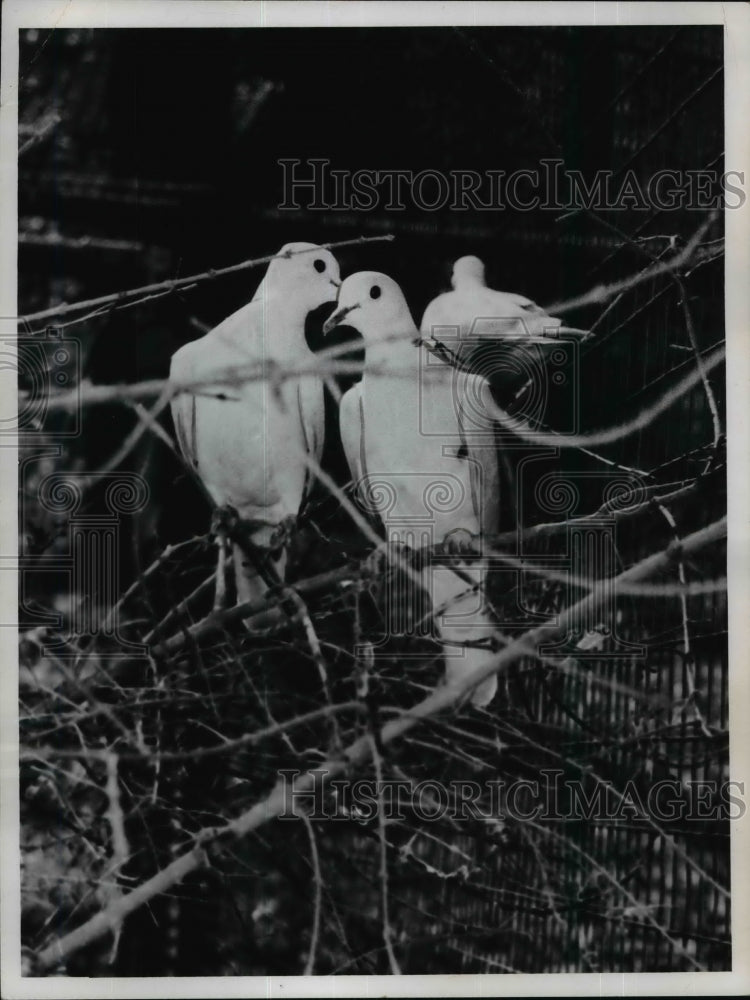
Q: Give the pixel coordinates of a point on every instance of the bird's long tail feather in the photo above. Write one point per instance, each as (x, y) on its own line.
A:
(253, 579)
(250, 584)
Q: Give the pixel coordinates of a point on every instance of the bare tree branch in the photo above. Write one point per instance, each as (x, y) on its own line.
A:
(173, 284)
(527, 433)
(283, 796)
(40, 131)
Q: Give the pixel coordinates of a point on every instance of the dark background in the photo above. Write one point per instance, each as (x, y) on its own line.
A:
(169, 146)
(172, 137)
(165, 163)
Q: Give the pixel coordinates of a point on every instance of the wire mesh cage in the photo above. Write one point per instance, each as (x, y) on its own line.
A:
(580, 822)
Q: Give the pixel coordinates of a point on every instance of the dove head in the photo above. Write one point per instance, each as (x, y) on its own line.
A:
(468, 271)
(305, 272)
(373, 304)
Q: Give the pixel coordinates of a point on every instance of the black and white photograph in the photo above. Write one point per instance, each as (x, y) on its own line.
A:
(374, 441)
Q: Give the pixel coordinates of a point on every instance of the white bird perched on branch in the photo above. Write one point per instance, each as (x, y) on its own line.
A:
(418, 434)
(246, 442)
(472, 310)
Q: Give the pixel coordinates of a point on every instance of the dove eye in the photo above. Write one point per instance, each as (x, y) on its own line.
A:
(375, 292)
(319, 265)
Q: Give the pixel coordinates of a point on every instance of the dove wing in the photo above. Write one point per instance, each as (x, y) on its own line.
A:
(245, 439)
(311, 408)
(183, 405)
(520, 300)
(476, 428)
(350, 423)
(440, 313)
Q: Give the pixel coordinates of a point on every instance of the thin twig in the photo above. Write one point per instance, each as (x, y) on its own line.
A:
(317, 654)
(173, 284)
(246, 740)
(282, 797)
(41, 132)
(686, 645)
(318, 902)
(611, 434)
(146, 421)
(120, 846)
(710, 397)
(384, 904)
(602, 293)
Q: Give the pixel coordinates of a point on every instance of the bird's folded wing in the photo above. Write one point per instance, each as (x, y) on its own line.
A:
(232, 347)
(439, 313)
(522, 301)
(350, 422)
(476, 428)
(311, 405)
(183, 406)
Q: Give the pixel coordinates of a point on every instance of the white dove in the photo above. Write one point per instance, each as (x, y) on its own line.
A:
(420, 432)
(473, 310)
(248, 447)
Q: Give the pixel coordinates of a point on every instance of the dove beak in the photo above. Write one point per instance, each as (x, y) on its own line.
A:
(336, 284)
(336, 318)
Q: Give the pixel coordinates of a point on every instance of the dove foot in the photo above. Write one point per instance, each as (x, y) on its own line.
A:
(223, 520)
(459, 542)
(282, 535)
(387, 555)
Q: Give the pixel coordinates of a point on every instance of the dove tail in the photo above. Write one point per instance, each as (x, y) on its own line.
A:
(460, 616)
(250, 584)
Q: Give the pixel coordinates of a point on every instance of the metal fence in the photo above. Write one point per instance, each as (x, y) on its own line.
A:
(601, 880)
